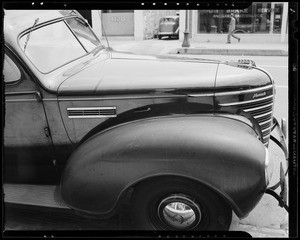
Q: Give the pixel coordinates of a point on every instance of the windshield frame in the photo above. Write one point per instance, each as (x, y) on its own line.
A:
(87, 25)
(41, 25)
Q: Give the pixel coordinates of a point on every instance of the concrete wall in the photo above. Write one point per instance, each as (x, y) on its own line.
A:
(138, 25)
(151, 20)
(118, 24)
(96, 20)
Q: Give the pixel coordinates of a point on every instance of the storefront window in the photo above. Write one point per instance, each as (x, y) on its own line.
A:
(260, 17)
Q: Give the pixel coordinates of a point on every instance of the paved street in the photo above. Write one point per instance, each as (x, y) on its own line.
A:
(266, 220)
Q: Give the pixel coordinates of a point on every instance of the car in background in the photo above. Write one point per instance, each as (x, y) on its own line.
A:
(168, 27)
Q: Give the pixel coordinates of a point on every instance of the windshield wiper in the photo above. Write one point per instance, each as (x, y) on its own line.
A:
(103, 29)
(28, 35)
(97, 49)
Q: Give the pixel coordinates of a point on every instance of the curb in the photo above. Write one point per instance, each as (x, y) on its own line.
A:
(249, 52)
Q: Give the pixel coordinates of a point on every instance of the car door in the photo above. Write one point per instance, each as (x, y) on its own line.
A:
(28, 150)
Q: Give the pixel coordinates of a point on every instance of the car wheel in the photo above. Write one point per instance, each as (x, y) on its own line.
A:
(159, 37)
(178, 204)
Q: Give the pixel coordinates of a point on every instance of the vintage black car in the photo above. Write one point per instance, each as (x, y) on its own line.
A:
(168, 27)
(187, 140)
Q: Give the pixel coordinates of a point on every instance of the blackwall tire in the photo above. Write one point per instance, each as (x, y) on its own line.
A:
(151, 204)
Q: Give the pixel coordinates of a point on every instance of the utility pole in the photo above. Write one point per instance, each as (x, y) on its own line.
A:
(186, 41)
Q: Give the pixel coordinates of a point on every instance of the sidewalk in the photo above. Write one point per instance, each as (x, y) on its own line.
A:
(261, 232)
(173, 46)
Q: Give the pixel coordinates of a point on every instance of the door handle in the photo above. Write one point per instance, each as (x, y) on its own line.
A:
(37, 94)
(142, 110)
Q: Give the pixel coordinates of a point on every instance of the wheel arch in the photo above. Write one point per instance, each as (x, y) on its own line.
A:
(162, 177)
(147, 112)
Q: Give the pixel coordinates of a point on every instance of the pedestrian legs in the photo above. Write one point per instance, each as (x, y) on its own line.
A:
(231, 34)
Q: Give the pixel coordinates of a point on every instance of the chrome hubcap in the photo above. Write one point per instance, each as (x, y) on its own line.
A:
(179, 212)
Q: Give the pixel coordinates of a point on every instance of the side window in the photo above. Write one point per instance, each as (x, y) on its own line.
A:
(11, 72)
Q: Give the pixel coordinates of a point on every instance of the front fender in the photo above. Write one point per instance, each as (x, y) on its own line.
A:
(221, 153)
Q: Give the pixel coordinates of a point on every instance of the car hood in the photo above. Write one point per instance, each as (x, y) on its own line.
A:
(136, 74)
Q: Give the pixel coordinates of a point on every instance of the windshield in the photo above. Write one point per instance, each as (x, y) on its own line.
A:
(54, 45)
(165, 20)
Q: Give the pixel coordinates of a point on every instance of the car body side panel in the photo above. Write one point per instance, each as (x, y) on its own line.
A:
(157, 108)
(127, 110)
(131, 86)
(28, 155)
(202, 148)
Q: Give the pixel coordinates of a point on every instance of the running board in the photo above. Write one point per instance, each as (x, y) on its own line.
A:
(36, 195)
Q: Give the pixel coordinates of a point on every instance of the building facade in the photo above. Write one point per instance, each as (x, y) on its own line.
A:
(261, 22)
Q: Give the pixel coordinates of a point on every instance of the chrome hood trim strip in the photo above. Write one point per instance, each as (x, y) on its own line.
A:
(244, 91)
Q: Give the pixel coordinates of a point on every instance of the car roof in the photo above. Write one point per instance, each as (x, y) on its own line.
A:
(171, 16)
(17, 21)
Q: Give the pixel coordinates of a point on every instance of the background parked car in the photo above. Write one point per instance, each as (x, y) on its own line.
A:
(168, 27)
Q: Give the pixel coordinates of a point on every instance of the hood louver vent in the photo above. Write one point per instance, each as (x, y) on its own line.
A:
(242, 63)
(92, 112)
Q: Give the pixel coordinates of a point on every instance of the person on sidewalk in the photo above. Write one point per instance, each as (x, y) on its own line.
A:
(231, 28)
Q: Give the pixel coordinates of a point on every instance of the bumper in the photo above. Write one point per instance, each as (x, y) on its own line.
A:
(281, 142)
(162, 34)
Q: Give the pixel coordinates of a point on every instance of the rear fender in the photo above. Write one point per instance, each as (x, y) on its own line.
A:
(214, 151)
